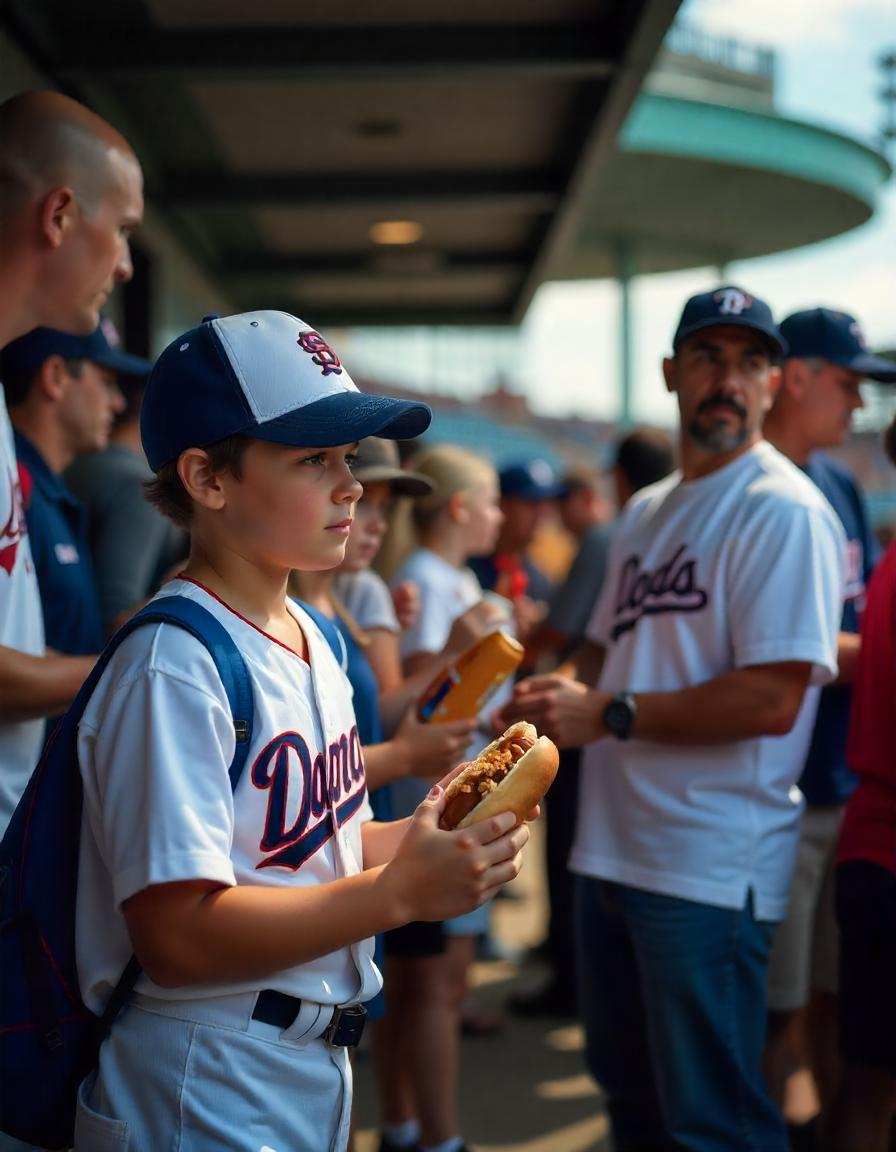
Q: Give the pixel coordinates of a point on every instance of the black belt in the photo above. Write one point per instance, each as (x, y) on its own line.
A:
(344, 1030)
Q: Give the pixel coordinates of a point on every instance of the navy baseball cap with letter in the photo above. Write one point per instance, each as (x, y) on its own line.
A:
(534, 480)
(728, 306)
(837, 337)
(24, 356)
(266, 375)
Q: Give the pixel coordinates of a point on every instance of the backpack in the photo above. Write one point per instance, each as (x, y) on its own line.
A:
(49, 1039)
(329, 631)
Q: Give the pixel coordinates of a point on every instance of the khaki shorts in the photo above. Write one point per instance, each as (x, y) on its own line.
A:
(804, 953)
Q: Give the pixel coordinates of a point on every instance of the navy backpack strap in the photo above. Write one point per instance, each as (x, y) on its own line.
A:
(329, 632)
(199, 622)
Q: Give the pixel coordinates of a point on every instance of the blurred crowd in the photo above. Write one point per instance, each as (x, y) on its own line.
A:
(709, 638)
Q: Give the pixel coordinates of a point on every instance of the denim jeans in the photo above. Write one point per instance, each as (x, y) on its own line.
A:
(672, 995)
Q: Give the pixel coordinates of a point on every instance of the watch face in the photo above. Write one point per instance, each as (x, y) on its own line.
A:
(618, 717)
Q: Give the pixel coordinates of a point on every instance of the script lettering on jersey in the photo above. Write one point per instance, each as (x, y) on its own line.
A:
(855, 574)
(13, 527)
(308, 797)
(671, 587)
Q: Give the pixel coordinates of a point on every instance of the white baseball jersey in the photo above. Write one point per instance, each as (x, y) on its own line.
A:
(155, 744)
(21, 621)
(446, 592)
(741, 567)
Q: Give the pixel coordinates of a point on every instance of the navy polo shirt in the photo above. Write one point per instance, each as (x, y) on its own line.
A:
(826, 778)
(57, 528)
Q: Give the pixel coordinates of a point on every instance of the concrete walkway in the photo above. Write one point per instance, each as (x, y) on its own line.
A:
(526, 1089)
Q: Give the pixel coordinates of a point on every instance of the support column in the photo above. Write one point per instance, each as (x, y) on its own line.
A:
(624, 274)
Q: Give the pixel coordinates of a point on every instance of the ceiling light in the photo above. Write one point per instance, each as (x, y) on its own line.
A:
(379, 128)
(395, 232)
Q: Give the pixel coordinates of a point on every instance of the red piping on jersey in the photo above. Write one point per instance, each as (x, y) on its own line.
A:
(239, 616)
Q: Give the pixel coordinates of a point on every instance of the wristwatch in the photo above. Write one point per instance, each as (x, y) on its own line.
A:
(619, 715)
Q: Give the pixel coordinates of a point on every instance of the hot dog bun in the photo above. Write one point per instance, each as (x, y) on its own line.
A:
(509, 775)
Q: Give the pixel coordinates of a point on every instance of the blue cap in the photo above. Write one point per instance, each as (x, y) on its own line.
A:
(24, 356)
(533, 480)
(838, 337)
(266, 375)
(728, 306)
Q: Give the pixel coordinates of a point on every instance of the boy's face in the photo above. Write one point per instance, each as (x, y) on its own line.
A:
(291, 507)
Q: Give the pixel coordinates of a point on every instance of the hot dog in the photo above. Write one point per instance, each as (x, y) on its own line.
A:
(509, 775)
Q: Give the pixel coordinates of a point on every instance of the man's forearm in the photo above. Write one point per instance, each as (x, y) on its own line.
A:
(741, 705)
(848, 647)
(32, 687)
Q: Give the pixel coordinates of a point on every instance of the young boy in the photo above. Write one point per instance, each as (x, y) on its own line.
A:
(250, 913)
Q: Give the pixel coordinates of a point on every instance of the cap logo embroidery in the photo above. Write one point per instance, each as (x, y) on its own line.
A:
(855, 330)
(321, 353)
(540, 471)
(732, 301)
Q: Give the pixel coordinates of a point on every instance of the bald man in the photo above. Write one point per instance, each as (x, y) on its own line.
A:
(71, 192)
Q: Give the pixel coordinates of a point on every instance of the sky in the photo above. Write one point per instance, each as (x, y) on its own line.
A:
(827, 73)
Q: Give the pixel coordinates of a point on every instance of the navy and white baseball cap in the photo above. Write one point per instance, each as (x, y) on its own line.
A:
(838, 337)
(266, 375)
(728, 305)
(534, 480)
(24, 356)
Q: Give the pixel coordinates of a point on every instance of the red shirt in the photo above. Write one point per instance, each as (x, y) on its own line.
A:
(869, 825)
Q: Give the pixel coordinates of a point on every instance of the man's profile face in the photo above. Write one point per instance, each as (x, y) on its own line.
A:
(88, 409)
(832, 396)
(725, 383)
(95, 255)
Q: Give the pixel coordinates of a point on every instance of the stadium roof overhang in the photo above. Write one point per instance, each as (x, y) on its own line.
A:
(276, 135)
(695, 183)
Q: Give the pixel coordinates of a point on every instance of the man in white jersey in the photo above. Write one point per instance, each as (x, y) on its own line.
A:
(70, 193)
(718, 618)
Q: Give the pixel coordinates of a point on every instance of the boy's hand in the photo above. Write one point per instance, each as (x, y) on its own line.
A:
(438, 875)
(432, 749)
